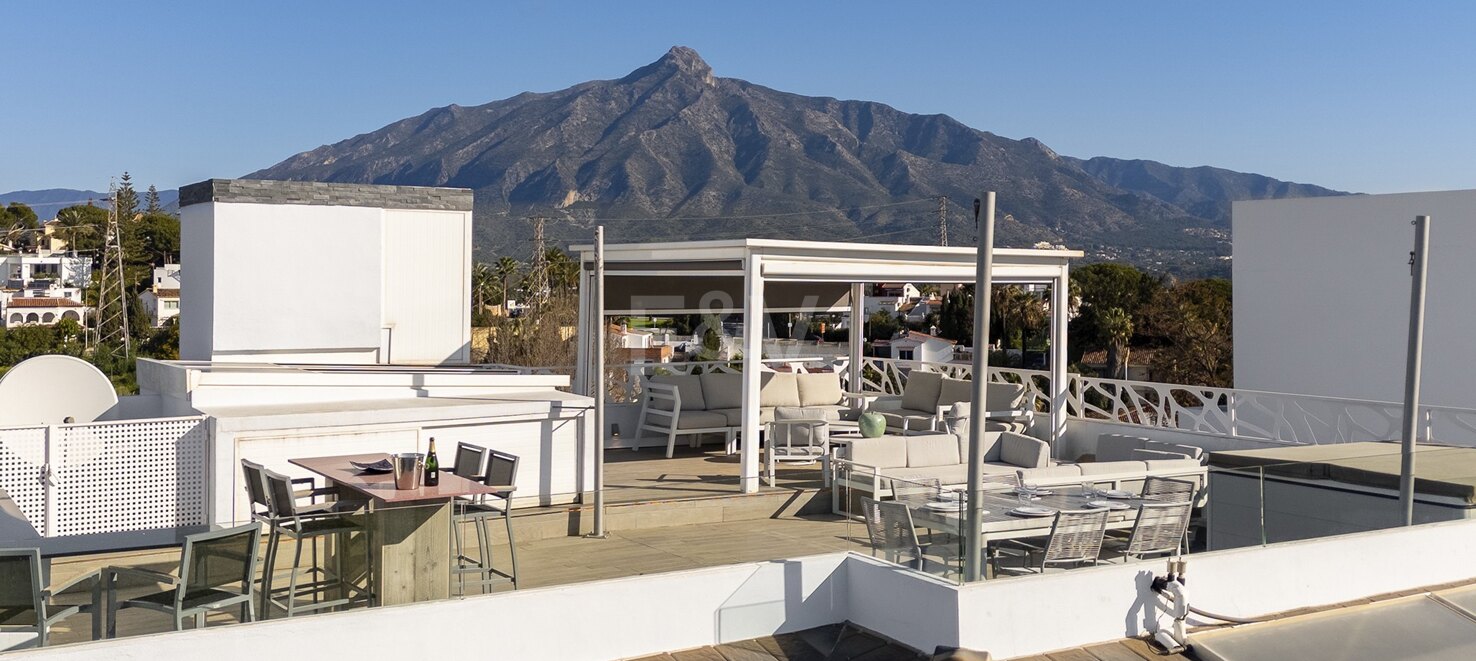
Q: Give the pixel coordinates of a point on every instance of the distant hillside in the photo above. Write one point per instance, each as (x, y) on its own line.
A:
(1203, 191)
(47, 202)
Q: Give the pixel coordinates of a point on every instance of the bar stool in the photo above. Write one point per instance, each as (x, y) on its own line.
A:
(307, 523)
(502, 469)
(469, 461)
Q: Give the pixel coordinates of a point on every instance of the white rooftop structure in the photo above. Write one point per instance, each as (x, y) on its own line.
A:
(392, 264)
(757, 276)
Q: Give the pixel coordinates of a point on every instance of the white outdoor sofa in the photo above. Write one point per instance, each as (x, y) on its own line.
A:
(712, 402)
(928, 396)
(869, 465)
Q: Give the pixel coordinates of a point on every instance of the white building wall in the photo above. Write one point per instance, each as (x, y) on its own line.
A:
(426, 281)
(324, 284)
(1322, 295)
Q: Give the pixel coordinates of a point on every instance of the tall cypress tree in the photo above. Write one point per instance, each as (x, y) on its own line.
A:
(151, 201)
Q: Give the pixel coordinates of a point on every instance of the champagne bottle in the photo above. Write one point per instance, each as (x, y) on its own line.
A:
(432, 466)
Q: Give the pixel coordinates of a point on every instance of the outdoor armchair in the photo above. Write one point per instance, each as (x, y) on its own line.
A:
(215, 573)
(1076, 538)
(26, 605)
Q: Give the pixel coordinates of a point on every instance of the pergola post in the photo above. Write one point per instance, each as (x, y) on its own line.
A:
(1060, 380)
(858, 333)
(582, 331)
(753, 347)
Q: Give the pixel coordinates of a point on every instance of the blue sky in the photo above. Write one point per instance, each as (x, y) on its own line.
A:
(1371, 97)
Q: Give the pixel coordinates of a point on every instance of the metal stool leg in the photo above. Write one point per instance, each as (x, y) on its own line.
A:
(512, 546)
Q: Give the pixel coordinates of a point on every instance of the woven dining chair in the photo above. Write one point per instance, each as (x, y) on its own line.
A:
(1076, 538)
(1168, 489)
(1159, 528)
(917, 490)
(900, 544)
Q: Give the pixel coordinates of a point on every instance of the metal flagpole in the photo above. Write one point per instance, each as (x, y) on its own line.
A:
(598, 391)
(1418, 267)
(983, 282)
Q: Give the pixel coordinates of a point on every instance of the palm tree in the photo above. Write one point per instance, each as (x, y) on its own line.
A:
(483, 285)
(505, 270)
(563, 271)
(1116, 328)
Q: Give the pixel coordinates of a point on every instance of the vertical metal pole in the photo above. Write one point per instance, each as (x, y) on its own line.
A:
(983, 283)
(857, 335)
(1418, 268)
(598, 380)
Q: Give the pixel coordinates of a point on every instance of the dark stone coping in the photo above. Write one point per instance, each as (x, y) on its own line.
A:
(265, 191)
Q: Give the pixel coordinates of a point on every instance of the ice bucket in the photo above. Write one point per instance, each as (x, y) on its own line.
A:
(408, 469)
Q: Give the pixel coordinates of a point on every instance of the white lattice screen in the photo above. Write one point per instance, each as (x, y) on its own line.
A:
(22, 457)
(129, 475)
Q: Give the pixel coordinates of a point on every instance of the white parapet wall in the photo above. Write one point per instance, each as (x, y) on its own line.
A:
(646, 615)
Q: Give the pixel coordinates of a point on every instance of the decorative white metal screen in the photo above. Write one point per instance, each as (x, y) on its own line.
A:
(22, 462)
(128, 475)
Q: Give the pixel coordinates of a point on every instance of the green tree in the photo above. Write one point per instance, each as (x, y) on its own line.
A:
(563, 270)
(1116, 327)
(19, 224)
(1100, 287)
(151, 201)
(156, 239)
(506, 269)
(956, 318)
(82, 226)
(1192, 322)
(127, 198)
(881, 326)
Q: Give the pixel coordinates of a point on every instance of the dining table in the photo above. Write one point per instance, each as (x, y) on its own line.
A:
(409, 529)
(999, 521)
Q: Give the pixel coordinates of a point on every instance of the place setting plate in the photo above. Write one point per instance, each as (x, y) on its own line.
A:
(372, 467)
(1033, 510)
(1108, 505)
(944, 505)
(1116, 493)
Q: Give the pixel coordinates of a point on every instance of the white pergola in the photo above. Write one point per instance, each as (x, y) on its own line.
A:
(753, 277)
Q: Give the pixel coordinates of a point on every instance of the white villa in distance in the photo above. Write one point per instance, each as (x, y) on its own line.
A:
(161, 300)
(43, 288)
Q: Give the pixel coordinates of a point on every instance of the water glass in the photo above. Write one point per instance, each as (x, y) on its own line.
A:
(1088, 489)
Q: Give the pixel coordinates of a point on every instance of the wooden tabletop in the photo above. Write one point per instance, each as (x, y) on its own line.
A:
(381, 486)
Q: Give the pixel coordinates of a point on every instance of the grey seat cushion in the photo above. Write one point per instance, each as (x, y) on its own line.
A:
(827, 412)
(1024, 451)
(701, 420)
(922, 390)
(778, 389)
(925, 450)
(689, 389)
(734, 416)
(955, 391)
(949, 474)
(722, 390)
(1118, 447)
(915, 419)
(819, 388)
(882, 452)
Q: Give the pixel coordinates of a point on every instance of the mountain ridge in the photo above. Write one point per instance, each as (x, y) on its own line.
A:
(671, 140)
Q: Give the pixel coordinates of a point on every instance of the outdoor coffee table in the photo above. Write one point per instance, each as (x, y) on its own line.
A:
(409, 529)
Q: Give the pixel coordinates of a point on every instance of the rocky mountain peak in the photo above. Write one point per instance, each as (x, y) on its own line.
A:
(679, 61)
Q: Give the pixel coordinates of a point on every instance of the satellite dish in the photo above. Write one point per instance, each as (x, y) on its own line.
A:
(47, 390)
